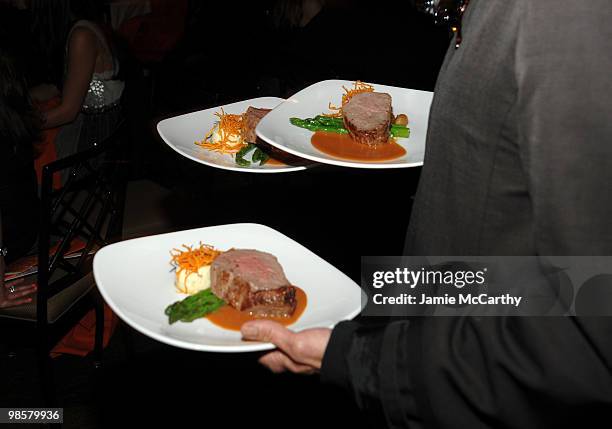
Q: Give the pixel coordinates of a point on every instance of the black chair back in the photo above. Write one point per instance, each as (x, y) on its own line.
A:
(86, 209)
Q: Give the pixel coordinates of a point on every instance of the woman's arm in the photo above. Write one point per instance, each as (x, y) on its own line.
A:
(82, 53)
(44, 92)
(11, 296)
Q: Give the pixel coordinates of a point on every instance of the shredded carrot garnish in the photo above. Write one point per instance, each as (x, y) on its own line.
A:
(191, 259)
(229, 129)
(358, 88)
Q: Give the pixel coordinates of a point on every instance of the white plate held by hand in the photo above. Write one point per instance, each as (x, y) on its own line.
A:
(136, 281)
(276, 129)
(181, 133)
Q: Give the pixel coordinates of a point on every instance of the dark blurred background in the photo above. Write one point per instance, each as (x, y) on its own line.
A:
(178, 56)
(213, 53)
(235, 51)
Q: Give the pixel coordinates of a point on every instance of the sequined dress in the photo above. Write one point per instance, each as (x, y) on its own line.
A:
(101, 110)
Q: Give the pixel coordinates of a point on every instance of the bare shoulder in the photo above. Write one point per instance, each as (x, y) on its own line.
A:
(82, 38)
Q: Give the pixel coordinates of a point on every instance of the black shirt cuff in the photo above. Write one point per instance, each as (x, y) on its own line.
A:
(334, 368)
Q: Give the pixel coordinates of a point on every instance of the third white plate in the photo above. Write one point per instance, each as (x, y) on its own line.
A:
(181, 133)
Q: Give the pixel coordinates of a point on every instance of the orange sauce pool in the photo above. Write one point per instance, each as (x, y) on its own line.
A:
(229, 318)
(343, 146)
(274, 161)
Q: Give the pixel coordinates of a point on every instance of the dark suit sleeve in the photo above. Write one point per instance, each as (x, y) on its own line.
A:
(369, 363)
(519, 372)
(512, 372)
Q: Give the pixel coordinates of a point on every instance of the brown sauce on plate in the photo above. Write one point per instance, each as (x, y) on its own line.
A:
(274, 161)
(229, 318)
(343, 146)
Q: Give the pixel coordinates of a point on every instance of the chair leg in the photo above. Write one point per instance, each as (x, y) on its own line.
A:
(99, 339)
(45, 372)
(128, 340)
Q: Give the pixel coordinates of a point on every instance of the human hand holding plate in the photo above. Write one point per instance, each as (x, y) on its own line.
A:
(301, 353)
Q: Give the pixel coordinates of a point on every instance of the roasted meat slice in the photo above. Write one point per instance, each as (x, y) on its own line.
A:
(367, 117)
(253, 281)
(250, 119)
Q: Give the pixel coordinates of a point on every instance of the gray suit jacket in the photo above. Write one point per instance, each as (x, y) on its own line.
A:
(519, 150)
(518, 162)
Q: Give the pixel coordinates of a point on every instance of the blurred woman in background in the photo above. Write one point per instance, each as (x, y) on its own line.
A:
(18, 190)
(81, 60)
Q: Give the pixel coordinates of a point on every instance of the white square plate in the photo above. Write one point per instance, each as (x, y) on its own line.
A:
(181, 133)
(276, 129)
(136, 281)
